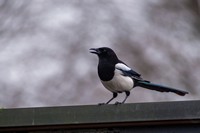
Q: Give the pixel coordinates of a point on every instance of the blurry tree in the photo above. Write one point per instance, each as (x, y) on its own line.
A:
(44, 56)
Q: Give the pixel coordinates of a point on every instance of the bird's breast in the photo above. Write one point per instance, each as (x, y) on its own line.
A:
(119, 82)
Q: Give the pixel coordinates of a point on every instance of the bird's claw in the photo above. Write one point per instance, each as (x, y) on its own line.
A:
(117, 103)
(102, 104)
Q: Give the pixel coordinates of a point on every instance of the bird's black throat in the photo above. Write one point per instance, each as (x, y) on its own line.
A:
(106, 70)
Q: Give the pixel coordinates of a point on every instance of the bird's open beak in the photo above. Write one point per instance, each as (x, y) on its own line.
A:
(94, 51)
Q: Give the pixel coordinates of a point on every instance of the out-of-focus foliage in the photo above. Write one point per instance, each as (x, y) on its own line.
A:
(44, 57)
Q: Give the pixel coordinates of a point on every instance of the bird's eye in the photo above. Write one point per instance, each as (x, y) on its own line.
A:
(104, 50)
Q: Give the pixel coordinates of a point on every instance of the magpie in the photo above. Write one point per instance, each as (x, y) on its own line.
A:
(118, 77)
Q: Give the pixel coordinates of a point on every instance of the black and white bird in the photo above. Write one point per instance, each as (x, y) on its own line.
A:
(117, 77)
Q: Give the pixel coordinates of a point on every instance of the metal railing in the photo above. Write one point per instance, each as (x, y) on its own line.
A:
(180, 115)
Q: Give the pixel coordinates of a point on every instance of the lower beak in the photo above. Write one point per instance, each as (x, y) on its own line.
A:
(94, 50)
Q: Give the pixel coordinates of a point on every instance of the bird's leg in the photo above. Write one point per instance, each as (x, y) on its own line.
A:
(127, 94)
(114, 96)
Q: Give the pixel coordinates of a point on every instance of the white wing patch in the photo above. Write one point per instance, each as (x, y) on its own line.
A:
(122, 66)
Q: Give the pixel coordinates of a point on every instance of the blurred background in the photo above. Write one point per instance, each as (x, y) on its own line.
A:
(44, 49)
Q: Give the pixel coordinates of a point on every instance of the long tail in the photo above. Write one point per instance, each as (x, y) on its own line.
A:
(160, 88)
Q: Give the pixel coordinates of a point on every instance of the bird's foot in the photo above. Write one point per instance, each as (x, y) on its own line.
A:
(102, 104)
(117, 103)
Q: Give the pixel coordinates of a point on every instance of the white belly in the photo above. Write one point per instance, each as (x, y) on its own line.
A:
(119, 83)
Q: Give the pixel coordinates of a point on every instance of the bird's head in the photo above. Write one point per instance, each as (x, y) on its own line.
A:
(104, 53)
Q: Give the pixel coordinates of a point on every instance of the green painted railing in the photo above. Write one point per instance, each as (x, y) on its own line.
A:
(137, 116)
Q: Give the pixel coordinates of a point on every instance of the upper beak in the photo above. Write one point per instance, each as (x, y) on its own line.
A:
(94, 50)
